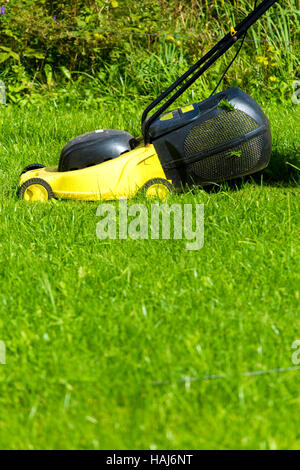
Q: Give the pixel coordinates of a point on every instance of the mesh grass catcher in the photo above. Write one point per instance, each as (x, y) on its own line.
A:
(223, 137)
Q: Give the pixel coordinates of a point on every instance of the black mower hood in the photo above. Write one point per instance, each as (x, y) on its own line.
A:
(94, 147)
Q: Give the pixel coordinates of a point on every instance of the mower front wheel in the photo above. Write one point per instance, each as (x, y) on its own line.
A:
(32, 166)
(157, 187)
(36, 189)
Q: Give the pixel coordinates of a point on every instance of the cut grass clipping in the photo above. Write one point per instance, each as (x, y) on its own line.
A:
(226, 106)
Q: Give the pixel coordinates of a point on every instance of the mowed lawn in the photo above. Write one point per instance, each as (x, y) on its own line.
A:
(89, 325)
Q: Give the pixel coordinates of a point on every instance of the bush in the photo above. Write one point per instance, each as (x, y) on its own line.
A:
(49, 49)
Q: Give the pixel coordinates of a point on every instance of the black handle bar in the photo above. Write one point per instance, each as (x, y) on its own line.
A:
(206, 61)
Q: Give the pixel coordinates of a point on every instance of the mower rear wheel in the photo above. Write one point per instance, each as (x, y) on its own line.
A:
(36, 189)
(32, 166)
(157, 187)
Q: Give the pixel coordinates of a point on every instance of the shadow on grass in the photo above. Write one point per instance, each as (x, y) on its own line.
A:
(283, 170)
(284, 166)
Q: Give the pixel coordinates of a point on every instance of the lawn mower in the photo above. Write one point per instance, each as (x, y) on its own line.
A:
(223, 137)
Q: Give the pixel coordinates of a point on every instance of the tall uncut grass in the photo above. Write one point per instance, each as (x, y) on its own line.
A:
(137, 50)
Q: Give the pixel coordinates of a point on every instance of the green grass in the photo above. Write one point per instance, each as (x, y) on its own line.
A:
(90, 324)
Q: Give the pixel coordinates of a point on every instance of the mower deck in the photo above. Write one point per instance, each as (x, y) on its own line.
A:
(121, 177)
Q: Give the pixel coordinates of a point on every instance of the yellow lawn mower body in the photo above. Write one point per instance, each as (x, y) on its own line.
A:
(121, 177)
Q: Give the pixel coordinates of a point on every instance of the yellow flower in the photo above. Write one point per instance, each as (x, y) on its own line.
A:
(272, 79)
(170, 38)
(262, 60)
(114, 4)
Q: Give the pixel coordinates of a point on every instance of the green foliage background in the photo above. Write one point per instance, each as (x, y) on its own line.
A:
(83, 50)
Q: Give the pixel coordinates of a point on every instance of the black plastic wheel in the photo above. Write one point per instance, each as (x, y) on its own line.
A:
(156, 182)
(40, 190)
(32, 166)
